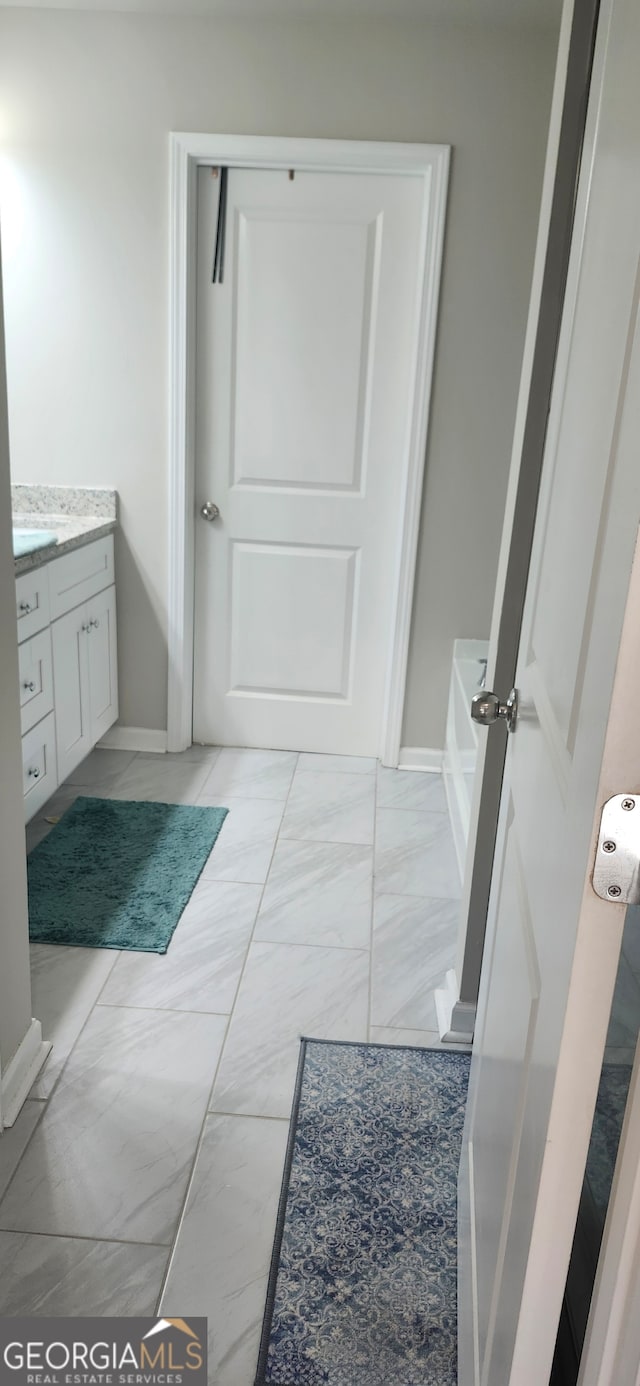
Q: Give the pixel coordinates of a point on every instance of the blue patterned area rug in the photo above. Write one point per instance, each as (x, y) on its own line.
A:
(115, 873)
(608, 1119)
(362, 1290)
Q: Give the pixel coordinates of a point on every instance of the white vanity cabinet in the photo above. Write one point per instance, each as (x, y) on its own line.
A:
(66, 614)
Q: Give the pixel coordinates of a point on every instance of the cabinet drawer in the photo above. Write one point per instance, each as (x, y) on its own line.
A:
(32, 602)
(79, 575)
(39, 774)
(36, 679)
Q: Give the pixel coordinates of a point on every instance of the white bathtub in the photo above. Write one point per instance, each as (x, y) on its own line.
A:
(461, 745)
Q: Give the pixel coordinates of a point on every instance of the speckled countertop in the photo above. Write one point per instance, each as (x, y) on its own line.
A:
(77, 514)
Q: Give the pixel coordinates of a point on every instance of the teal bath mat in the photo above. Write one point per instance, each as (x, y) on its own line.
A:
(116, 874)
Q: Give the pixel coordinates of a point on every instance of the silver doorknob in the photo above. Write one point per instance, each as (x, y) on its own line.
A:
(486, 709)
(209, 511)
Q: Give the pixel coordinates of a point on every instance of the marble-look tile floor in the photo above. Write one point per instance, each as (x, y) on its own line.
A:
(144, 1171)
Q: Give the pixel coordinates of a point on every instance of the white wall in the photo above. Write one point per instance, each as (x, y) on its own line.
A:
(87, 102)
(15, 984)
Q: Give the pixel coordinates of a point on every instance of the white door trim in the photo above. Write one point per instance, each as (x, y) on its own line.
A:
(188, 152)
(20, 1074)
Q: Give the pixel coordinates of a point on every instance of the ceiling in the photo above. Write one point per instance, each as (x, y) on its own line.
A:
(517, 12)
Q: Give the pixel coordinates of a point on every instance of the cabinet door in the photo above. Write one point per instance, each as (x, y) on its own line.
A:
(70, 639)
(103, 668)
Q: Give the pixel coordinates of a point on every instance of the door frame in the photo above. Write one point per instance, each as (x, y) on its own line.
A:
(188, 152)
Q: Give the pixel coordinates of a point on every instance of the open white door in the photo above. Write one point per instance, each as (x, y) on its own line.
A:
(457, 1000)
(552, 945)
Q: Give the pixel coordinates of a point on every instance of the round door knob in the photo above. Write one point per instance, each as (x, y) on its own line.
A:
(486, 709)
(209, 511)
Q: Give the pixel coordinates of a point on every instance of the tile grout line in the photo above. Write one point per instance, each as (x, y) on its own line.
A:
(404, 895)
(281, 837)
(395, 895)
(172, 1245)
(304, 943)
(247, 1116)
(43, 1107)
(415, 1029)
(208, 1112)
(158, 1010)
(82, 1237)
(324, 841)
(278, 838)
(263, 886)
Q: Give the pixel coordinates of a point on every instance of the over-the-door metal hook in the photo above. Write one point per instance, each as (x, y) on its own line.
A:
(221, 226)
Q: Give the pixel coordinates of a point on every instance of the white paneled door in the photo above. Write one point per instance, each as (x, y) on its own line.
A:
(552, 944)
(304, 382)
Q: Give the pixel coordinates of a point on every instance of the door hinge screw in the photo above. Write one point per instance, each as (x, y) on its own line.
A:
(628, 804)
(614, 891)
(608, 846)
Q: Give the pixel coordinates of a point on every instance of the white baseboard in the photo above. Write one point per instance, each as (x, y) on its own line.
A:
(21, 1073)
(144, 739)
(420, 758)
(134, 739)
(456, 1018)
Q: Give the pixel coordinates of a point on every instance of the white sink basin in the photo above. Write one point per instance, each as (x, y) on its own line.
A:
(27, 540)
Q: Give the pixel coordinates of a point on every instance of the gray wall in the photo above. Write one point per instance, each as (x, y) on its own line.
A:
(88, 100)
(15, 984)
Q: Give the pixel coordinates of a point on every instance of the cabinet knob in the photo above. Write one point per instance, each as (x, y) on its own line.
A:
(95, 623)
(29, 687)
(34, 773)
(25, 608)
